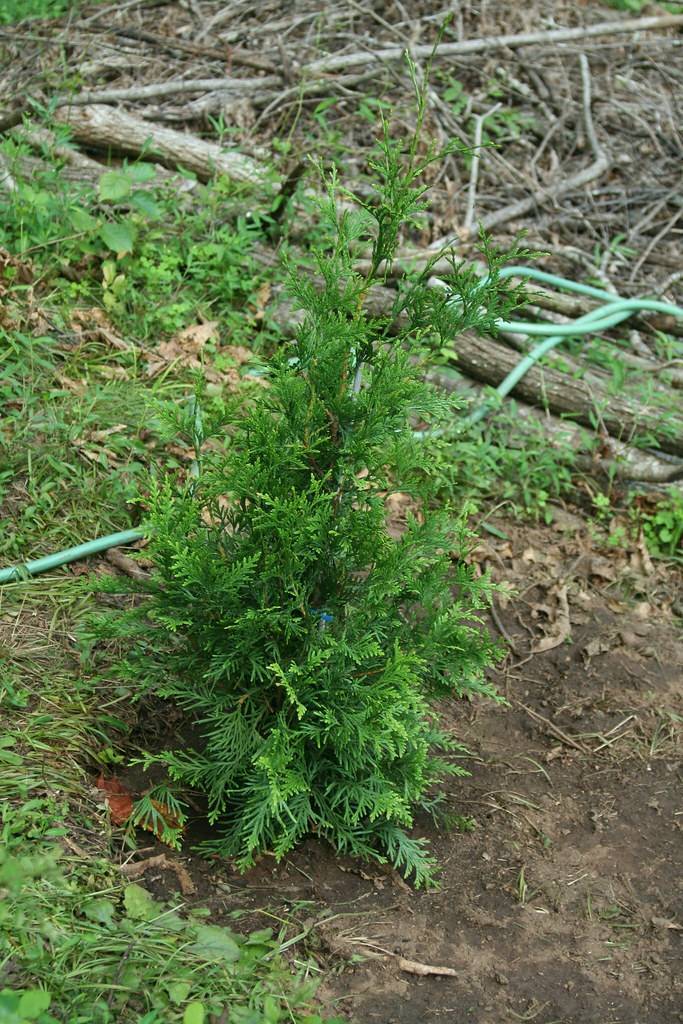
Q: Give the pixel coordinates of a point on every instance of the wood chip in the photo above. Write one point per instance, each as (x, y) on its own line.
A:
(414, 967)
(562, 626)
(137, 869)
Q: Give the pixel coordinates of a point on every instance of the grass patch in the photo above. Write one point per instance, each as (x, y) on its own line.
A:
(76, 943)
(14, 11)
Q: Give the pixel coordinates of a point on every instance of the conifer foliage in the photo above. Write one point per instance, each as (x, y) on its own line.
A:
(304, 643)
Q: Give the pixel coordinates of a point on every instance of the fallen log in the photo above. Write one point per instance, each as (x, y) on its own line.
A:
(489, 362)
(612, 459)
(107, 128)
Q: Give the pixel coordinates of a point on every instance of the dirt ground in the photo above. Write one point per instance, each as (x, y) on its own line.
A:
(563, 904)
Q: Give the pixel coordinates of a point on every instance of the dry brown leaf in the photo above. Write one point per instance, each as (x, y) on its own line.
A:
(593, 648)
(211, 520)
(398, 507)
(413, 967)
(262, 300)
(238, 353)
(561, 628)
(94, 323)
(184, 348)
(642, 560)
(663, 922)
(76, 387)
(21, 269)
(92, 455)
(603, 568)
(102, 435)
(195, 336)
(91, 445)
(113, 372)
(118, 797)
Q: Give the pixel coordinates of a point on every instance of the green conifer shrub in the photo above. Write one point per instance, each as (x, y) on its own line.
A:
(305, 645)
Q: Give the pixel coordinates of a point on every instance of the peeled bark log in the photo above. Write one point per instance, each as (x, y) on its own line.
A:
(614, 459)
(489, 362)
(107, 128)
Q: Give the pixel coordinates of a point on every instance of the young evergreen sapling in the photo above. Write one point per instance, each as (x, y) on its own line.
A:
(306, 645)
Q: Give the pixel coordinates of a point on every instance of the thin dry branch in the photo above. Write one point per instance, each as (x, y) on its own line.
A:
(474, 169)
(539, 196)
(484, 45)
(228, 54)
(138, 93)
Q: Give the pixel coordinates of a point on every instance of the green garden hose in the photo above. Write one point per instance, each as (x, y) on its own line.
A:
(612, 311)
(93, 547)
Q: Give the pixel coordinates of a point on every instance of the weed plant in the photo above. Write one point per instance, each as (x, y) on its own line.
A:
(77, 944)
(508, 460)
(663, 527)
(304, 643)
(155, 257)
(87, 949)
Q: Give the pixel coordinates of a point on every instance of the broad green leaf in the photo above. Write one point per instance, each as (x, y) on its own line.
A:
(146, 203)
(141, 172)
(81, 220)
(9, 1001)
(215, 943)
(194, 1013)
(33, 1002)
(173, 922)
(139, 904)
(99, 910)
(118, 236)
(8, 757)
(271, 1011)
(115, 185)
(130, 978)
(179, 991)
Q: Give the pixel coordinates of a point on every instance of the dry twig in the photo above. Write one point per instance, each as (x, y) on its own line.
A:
(485, 45)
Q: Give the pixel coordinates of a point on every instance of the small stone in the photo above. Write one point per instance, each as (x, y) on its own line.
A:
(500, 978)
